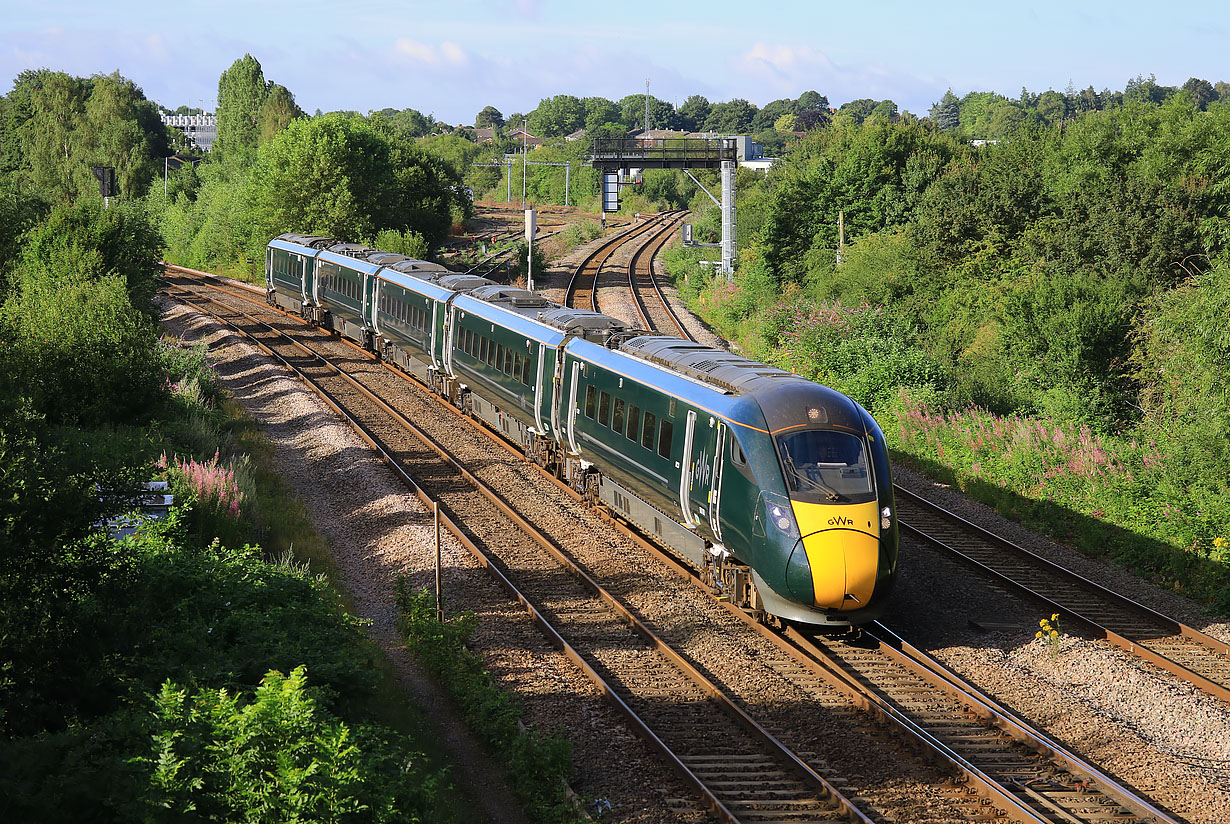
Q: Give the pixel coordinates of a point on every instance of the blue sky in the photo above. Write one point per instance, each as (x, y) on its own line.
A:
(452, 58)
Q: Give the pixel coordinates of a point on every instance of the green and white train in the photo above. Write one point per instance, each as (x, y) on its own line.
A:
(774, 488)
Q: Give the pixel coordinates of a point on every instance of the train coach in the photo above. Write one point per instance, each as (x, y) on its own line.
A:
(777, 490)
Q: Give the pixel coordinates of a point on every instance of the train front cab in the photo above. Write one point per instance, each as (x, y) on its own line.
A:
(823, 528)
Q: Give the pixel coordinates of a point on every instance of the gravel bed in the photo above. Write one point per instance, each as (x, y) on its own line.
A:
(1150, 730)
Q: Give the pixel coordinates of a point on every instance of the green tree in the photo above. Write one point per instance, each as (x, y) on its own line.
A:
(241, 94)
(812, 101)
(772, 112)
(489, 117)
(407, 123)
(785, 123)
(331, 175)
(557, 116)
(694, 112)
(49, 110)
(732, 117)
(342, 177)
(1147, 90)
(598, 112)
(947, 113)
(661, 114)
(1201, 91)
(276, 112)
(1052, 106)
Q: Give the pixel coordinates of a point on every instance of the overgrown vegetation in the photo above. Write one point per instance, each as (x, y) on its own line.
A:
(1041, 321)
(179, 673)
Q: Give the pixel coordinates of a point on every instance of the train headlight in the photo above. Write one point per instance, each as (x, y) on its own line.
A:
(774, 509)
(779, 517)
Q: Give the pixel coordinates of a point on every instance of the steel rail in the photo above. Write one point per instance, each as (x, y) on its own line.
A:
(583, 286)
(650, 250)
(729, 707)
(1043, 575)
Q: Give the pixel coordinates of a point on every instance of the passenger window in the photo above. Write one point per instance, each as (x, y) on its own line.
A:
(516, 370)
(499, 356)
(647, 431)
(617, 416)
(736, 453)
(634, 422)
(482, 348)
(491, 352)
(527, 371)
(591, 396)
(604, 409)
(508, 361)
(664, 438)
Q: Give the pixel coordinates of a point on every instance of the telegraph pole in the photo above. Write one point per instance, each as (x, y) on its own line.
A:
(646, 108)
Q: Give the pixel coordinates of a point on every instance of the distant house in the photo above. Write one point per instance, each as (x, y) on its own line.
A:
(484, 135)
(577, 135)
(522, 136)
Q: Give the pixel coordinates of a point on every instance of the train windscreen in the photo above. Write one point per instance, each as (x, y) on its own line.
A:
(826, 466)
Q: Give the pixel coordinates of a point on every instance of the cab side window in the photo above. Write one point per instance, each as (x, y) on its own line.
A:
(591, 400)
(736, 453)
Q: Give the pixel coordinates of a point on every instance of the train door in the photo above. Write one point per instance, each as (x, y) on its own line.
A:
(686, 472)
(367, 285)
(269, 262)
(435, 333)
(377, 290)
(543, 372)
(715, 485)
(558, 394)
(700, 483)
(572, 407)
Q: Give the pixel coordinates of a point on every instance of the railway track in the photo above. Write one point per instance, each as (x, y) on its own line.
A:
(1182, 651)
(1002, 768)
(655, 313)
(582, 287)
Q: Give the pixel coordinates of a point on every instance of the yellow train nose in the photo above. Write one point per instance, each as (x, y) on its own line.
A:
(843, 549)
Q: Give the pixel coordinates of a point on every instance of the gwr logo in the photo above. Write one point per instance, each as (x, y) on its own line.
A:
(840, 521)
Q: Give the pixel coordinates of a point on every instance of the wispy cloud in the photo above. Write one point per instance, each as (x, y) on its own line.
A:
(788, 70)
(445, 55)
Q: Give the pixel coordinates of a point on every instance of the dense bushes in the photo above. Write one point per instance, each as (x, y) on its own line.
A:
(177, 674)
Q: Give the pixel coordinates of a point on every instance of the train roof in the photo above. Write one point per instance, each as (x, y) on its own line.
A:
(727, 373)
(725, 370)
(311, 241)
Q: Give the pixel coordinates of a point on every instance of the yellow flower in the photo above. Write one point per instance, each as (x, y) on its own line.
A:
(1037, 634)
(1042, 623)
(1219, 542)
(1054, 634)
(1055, 617)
